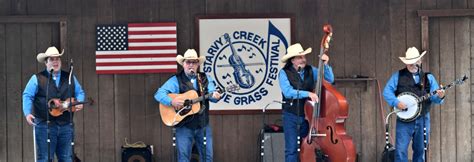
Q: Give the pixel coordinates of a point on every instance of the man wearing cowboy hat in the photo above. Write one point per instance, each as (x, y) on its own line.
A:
(36, 112)
(297, 81)
(193, 127)
(412, 79)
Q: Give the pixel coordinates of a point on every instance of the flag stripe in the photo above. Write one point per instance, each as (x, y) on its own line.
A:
(136, 71)
(135, 59)
(153, 40)
(136, 52)
(144, 67)
(151, 24)
(171, 28)
(136, 56)
(152, 48)
(151, 36)
(135, 63)
(152, 44)
(150, 32)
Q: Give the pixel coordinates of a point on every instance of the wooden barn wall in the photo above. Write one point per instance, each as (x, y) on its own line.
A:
(369, 36)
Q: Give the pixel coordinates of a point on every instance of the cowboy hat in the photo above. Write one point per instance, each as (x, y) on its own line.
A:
(412, 56)
(190, 54)
(50, 52)
(295, 50)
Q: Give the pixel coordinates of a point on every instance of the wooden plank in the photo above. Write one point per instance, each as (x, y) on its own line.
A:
(106, 116)
(216, 122)
(247, 139)
(435, 112)
(3, 95)
(368, 105)
(462, 93)
(91, 130)
(28, 68)
(230, 147)
(18, 7)
(447, 72)
(106, 86)
(446, 12)
(32, 19)
(352, 67)
(14, 113)
(382, 71)
(122, 112)
(74, 51)
(137, 106)
(152, 118)
(165, 149)
(5, 7)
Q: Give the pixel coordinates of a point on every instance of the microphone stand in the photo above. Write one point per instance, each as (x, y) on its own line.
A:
(47, 114)
(425, 140)
(71, 113)
(298, 124)
(204, 137)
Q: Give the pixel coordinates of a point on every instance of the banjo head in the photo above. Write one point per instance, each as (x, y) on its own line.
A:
(413, 108)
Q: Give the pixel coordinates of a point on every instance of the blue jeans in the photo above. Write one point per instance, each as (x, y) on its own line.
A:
(411, 131)
(290, 130)
(184, 142)
(60, 136)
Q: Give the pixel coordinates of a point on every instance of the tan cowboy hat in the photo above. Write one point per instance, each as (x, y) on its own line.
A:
(190, 54)
(50, 52)
(295, 50)
(412, 56)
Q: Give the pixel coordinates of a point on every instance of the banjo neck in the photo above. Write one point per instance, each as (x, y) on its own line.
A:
(452, 84)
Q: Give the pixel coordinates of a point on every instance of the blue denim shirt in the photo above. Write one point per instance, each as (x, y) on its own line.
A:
(32, 87)
(290, 92)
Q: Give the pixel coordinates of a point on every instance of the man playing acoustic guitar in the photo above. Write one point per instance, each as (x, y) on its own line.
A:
(412, 79)
(36, 111)
(193, 127)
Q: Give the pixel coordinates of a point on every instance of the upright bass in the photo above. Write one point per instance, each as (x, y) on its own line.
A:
(327, 134)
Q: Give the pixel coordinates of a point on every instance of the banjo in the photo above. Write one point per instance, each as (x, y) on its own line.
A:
(413, 102)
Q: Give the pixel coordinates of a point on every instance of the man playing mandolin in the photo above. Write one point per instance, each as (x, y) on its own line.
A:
(412, 79)
(193, 127)
(36, 111)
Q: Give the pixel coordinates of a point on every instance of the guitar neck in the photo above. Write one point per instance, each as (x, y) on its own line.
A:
(201, 98)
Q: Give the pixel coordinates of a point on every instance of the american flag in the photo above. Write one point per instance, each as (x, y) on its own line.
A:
(136, 48)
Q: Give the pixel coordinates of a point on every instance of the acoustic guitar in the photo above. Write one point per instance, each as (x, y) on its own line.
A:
(172, 116)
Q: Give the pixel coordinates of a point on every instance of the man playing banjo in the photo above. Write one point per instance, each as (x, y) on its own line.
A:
(413, 83)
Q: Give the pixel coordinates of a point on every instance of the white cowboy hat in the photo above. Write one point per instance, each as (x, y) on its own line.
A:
(50, 52)
(190, 54)
(295, 50)
(412, 56)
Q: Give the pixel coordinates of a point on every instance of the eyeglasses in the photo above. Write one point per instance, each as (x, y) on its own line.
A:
(192, 61)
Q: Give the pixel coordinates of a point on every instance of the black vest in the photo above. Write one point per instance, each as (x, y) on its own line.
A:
(39, 104)
(296, 106)
(196, 120)
(406, 83)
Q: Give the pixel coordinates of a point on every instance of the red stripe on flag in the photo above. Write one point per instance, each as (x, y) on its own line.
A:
(136, 55)
(136, 71)
(152, 48)
(152, 24)
(152, 40)
(151, 32)
(134, 63)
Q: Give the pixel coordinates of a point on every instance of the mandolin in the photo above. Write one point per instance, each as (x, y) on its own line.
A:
(58, 106)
